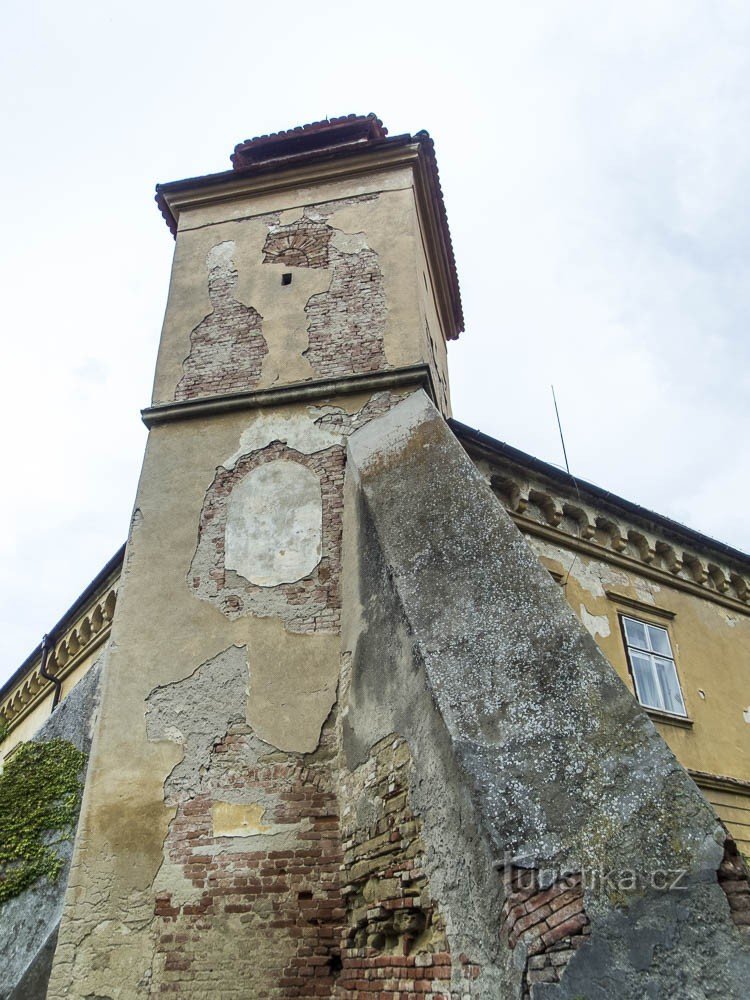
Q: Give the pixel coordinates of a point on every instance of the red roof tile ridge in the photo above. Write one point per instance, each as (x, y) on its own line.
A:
(343, 130)
(324, 122)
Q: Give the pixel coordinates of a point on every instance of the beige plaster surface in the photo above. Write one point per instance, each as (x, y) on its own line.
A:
(27, 727)
(161, 634)
(235, 819)
(388, 225)
(245, 203)
(711, 648)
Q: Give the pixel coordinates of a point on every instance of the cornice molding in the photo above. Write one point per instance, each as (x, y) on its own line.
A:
(719, 782)
(412, 376)
(580, 524)
(416, 153)
(88, 631)
(183, 196)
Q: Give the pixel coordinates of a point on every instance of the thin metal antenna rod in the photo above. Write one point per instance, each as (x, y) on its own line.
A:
(559, 427)
(573, 478)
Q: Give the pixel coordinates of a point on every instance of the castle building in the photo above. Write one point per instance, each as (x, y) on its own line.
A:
(373, 704)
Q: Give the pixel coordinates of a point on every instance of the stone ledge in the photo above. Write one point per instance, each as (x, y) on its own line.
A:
(414, 376)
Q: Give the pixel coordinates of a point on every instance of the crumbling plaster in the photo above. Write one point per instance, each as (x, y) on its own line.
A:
(161, 636)
(535, 721)
(701, 635)
(386, 223)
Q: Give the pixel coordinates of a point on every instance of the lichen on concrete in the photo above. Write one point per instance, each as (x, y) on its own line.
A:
(558, 767)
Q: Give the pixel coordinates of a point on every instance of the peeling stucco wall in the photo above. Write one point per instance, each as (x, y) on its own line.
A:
(227, 347)
(564, 771)
(360, 295)
(346, 322)
(208, 687)
(292, 525)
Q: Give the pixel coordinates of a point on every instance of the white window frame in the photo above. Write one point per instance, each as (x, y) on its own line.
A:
(652, 666)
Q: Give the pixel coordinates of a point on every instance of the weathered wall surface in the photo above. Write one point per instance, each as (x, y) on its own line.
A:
(548, 762)
(299, 288)
(710, 644)
(29, 922)
(213, 720)
(611, 564)
(222, 825)
(613, 560)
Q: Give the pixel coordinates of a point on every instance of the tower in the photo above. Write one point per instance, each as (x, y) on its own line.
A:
(313, 287)
(351, 740)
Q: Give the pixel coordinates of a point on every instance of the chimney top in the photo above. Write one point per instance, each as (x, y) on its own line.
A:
(329, 134)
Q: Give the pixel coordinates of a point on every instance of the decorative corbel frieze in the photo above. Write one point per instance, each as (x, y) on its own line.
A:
(718, 578)
(669, 557)
(696, 567)
(550, 507)
(613, 532)
(510, 493)
(645, 547)
(535, 502)
(741, 586)
(586, 526)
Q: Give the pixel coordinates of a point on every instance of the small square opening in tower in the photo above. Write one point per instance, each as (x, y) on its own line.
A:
(286, 279)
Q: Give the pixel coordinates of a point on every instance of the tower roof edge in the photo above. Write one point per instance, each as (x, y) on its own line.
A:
(327, 140)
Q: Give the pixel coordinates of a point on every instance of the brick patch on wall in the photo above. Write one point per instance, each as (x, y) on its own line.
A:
(346, 323)
(551, 922)
(312, 604)
(395, 943)
(735, 881)
(262, 920)
(227, 347)
(304, 243)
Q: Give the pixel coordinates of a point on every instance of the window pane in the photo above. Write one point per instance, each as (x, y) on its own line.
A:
(646, 684)
(670, 686)
(659, 640)
(636, 633)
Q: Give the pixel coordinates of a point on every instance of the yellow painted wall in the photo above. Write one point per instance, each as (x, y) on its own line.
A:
(711, 646)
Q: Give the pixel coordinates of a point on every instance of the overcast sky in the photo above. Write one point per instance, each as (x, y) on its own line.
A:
(595, 159)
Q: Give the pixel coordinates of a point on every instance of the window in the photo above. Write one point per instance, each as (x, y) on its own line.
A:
(652, 665)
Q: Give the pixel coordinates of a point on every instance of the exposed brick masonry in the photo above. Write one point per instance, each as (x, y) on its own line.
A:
(227, 347)
(735, 881)
(346, 324)
(312, 604)
(551, 922)
(395, 943)
(263, 922)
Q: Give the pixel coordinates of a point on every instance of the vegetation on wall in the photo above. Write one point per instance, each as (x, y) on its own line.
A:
(40, 795)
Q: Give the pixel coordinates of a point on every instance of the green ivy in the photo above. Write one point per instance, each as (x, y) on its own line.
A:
(40, 795)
